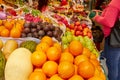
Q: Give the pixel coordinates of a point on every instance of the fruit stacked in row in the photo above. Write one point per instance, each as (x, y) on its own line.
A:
(76, 62)
(11, 28)
(80, 29)
(40, 29)
(85, 40)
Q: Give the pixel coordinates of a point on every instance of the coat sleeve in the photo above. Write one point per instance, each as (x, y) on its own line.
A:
(108, 17)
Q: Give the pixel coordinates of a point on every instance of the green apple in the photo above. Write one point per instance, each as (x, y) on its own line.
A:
(65, 46)
(95, 51)
(69, 38)
(81, 39)
(75, 38)
(68, 33)
(64, 40)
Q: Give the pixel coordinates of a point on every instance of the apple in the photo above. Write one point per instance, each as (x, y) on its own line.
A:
(68, 33)
(64, 40)
(72, 31)
(75, 38)
(75, 28)
(71, 26)
(79, 28)
(77, 33)
(77, 23)
(69, 38)
(84, 25)
(63, 2)
(89, 34)
(81, 39)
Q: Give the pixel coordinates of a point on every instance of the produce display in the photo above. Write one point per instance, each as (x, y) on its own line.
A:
(52, 45)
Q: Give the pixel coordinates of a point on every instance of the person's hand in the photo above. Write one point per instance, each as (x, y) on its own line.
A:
(97, 13)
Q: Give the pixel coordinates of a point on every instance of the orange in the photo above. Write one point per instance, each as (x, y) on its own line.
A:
(37, 69)
(55, 77)
(76, 77)
(93, 56)
(1, 22)
(66, 69)
(50, 68)
(42, 47)
(8, 25)
(5, 33)
(15, 33)
(57, 45)
(1, 28)
(48, 40)
(86, 69)
(95, 78)
(37, 75)
(66, 56)
(102, 75)
(66, 49)
(79, 59)
(86, 52)
(75, 48)
(76, 69)
(38, 58)
(53, 54)
(95, 62)
(97, 72)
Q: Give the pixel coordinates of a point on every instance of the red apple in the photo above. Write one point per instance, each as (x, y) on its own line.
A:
(77, 23)
(89, 34)
(63, 2)
(84, 25)
(75, 28)
(77, 33)
(79, 28)
(71, 26)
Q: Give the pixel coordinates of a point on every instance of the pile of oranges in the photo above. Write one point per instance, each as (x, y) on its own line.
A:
(11, 28)
(76, 62)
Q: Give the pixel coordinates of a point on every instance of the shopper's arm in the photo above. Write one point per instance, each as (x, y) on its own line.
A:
(108, 17)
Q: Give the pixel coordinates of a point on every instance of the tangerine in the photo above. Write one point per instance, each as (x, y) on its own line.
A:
(38, 58)
(1, 22)
(1, 28)
(8, 25)
(66, 69)
(103, 76)
(42, 47)
(76, 77)
(86, 69)
(55, 77)
(75, 48)
(95, 62)
(50, 68)
(56, 44)
(53, 54)
(79, 59)
(5, 33)
(95, 78)
(66, 56)
(37, 75)
(86, 52)
(48, 40)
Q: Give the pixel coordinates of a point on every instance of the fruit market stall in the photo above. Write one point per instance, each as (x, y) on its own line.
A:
(52, 45)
